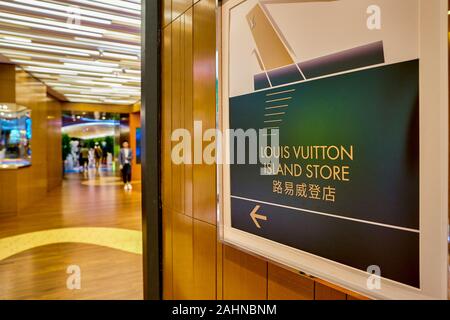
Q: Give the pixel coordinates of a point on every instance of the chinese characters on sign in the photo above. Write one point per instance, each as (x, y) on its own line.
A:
(304, 190)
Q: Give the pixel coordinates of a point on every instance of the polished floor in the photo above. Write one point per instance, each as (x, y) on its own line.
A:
(90, 223)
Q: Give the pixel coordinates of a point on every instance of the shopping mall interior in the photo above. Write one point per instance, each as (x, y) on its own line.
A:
(70, 95)
(92, 205)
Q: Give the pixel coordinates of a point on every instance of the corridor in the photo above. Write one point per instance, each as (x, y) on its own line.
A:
(90, 223)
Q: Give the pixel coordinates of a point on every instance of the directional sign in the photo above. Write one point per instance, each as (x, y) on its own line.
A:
(255, 216)
(326, 137)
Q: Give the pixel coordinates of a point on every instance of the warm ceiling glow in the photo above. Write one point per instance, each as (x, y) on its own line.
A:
(86, 50)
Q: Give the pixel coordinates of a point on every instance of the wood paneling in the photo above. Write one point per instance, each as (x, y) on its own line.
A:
(183, 257)
(31, 184)
(244, 276)
(166, 117)
(166, 165)
(32, 181)
(195, 264)
(286, 285)
(7, 83)
(180, 6)
(166, 12)
(188, 104)
(167, 242)
(205, 242)
(54, 144)
(204, 176)
(323, 292)
(177, 111)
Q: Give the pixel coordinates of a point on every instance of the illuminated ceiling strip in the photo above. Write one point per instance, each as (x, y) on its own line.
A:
(108, 43)
(119, 56)
(82, 11)
(12, 45)
(13, 54)
(51, 12)
(65, 25)
(52, 71)
(94, 63)
(52, 28)
(113, 46)
(67, 49)
(123, 4)
(67, 66)
(111, 7)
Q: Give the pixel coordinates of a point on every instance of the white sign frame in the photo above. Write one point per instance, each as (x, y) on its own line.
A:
(433, 173)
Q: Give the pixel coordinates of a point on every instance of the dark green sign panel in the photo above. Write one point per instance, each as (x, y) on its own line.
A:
(347, 184)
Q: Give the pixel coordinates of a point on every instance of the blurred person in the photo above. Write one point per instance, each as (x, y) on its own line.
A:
(125, 158)
(84, 158)
(98, 153)
(104, 153)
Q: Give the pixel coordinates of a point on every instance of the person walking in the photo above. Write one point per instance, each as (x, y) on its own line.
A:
(125, 158)
(98, 153)
(84, 158)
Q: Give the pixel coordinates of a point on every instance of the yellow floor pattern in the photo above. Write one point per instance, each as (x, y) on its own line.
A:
(119, 239)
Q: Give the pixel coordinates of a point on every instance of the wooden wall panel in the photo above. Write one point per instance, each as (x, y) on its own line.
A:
(204, 176)
(32, 181)
(31, 184)
(205, 241)
(7, 83)
(177, 112)
(188, 104)
(286, 285)
(166, 118)
(54, 144)
(195, 264)
(166, 12)
(183, 257)
(244, 276)
(166, 166)
(167, 242)
(180, 6)
(323, 292)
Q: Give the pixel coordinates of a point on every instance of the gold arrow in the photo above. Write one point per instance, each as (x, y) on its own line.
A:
(255, 216)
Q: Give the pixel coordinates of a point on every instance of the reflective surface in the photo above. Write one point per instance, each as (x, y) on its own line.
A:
(15, 136)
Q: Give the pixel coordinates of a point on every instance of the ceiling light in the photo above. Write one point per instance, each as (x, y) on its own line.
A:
(49, 70)
(51, 12)
(17, 39)
(107, 6)
(82, 11)
(120, 56)
(40, 25)
(44, 49)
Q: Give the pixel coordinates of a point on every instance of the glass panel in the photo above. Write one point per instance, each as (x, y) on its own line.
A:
(15, 136)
